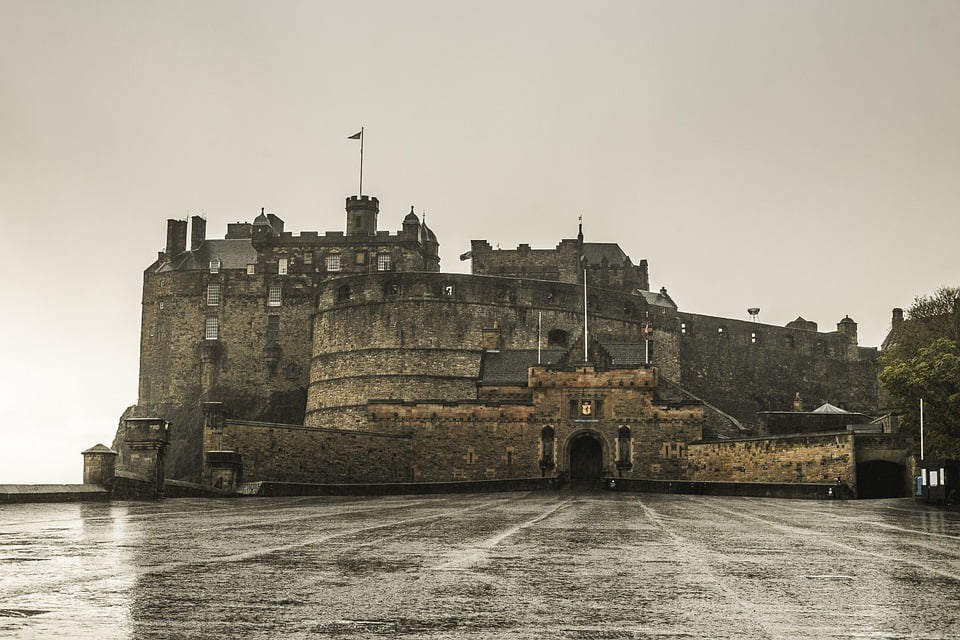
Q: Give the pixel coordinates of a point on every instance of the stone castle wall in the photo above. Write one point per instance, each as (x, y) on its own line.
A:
(745, 367)
(819, 458)
(416, 336)
(291, 453)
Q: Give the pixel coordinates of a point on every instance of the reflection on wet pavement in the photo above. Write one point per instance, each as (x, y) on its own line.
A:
(520, 565)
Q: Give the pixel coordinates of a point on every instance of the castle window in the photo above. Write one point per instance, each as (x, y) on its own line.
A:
(343, 293)
(273, 297)
(361, 257)
(308, 257)
(282, 266)
(685, 328)
(213, 295)
(211, 328)
(448, 289)
(789, 342)
(623, 446)
(214, 266)
(721, 332)
(557, 338)
(251, 269)
(546, 446)
(383, 262)
(391, 289)
(333, 262)
(273, 327)
(754, 337)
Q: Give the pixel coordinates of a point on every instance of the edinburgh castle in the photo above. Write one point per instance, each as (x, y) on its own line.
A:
(350, 357)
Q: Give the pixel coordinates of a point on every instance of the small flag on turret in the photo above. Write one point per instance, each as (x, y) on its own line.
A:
(466, 256)
(356, 136)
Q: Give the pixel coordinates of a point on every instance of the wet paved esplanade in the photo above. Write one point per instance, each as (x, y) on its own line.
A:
(515, 565)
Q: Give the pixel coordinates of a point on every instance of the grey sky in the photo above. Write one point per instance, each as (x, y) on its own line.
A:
(797, 156)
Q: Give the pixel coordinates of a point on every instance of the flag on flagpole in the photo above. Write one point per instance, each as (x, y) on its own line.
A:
(355, 136)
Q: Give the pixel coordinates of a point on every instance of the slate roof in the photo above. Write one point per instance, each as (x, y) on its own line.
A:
(625, 354)
(652, 297)
(232, 254)
(509, 368)
(595, 252)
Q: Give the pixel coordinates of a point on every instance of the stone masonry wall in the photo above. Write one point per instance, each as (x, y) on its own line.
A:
(416, 336)
(290, 453)
(808, 458)
(749, 367)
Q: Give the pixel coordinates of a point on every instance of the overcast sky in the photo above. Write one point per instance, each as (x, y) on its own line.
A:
(801, 157)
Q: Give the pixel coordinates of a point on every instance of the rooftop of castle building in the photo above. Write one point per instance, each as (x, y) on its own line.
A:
(232, 254)
(625, 354)
(658, 299)
(509, 368)
(596, 253)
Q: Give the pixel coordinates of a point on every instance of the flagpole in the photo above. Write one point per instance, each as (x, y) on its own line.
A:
(539, 326)
(585, 334)
(361, 162)
(921, 429)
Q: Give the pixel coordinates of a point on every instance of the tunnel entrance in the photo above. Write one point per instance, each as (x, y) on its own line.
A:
(586, 458)
(881, 479)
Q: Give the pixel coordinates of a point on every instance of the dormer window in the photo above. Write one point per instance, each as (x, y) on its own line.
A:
(214, 266)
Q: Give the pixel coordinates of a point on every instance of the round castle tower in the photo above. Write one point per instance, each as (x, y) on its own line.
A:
(419, 336)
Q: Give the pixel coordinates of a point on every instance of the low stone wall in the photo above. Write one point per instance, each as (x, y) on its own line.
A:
(278, 489)
(180, 489)
(821, 459)
(130, 486)
(24, 493)
(293, 453)
(811, 491)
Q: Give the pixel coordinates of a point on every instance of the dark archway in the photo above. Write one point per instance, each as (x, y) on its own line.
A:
(586, 458)
(881, 479)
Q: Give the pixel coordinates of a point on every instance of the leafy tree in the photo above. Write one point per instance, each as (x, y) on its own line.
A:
(923, 361)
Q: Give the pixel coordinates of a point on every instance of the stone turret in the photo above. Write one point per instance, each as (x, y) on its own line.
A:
(848, 328)
(411, 224)
(262, 231)
(362, 215)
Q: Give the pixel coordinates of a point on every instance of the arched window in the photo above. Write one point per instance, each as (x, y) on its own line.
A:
(343, 293)
(546, 445)
(623, 447)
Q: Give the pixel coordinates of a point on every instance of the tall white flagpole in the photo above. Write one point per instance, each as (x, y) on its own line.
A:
(586, 338)
(539, 339)
(921, 429)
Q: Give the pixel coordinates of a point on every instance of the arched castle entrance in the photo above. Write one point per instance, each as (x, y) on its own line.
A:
(586, 457)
